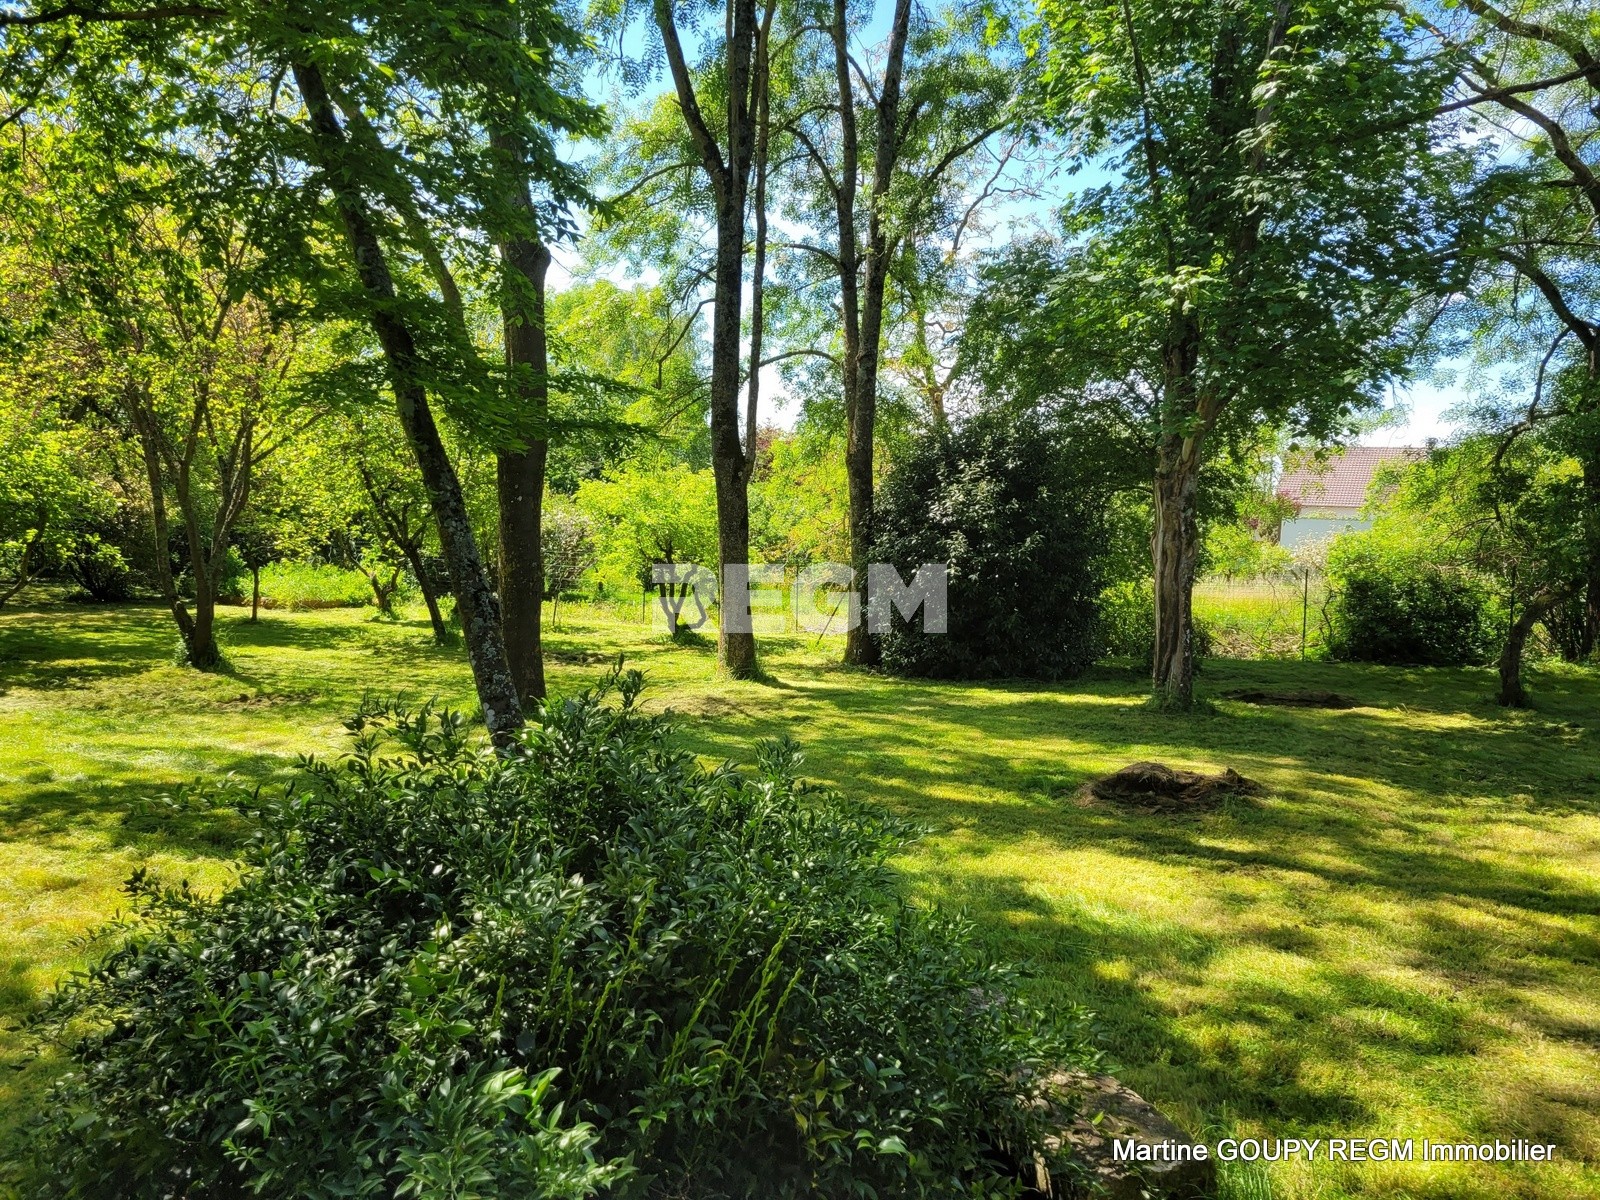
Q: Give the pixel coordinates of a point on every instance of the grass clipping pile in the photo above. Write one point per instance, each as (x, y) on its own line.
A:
(1156, 787)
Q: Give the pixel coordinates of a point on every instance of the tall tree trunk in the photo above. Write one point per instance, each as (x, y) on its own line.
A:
(480, 619)
(519, 474)
(730, 182)
(1175, 553)
(255, 594)
(736, 642)
(1512, 693)
(861, 389)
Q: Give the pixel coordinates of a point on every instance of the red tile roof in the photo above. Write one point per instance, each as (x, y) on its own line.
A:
(1342, 480)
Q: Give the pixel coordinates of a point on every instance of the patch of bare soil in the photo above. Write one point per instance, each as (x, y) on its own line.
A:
(1294, 699)
(1156, 787)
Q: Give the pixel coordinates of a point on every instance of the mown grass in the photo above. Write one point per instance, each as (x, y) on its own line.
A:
(1401, 938)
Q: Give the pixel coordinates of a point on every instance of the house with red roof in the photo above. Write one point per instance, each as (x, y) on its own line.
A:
(1330, 493)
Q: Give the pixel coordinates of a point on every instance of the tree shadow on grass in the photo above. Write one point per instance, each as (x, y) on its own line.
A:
(38, 649)
(136, 810)
(1393, 827)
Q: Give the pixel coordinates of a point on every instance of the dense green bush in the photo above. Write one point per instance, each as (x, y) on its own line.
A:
(1394, 603)
(1128, 625)
(716, 962)
(999, 502)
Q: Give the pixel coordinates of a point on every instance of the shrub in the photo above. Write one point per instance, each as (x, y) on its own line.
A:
(567, 545)
(1128, 625)
(715, 961)
(100, 569)
(997, 501)
(1391, 603)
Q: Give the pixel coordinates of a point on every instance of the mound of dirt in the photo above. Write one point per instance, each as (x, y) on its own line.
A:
(1156, 787)
(1294, 699)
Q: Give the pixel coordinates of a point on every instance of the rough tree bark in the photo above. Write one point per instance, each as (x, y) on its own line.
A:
(1174, 553)
(480, 618)
(730, 182)
(519, 473)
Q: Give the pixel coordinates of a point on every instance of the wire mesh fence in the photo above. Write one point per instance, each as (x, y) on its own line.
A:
(1275, 616)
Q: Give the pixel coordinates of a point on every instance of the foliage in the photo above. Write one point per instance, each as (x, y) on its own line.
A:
(647, 511)
(1127, 617)
(48, 492)
(996, 500)
(1235, 551)
(300, 585)
(1395, 601)
(717, 962)
(632, 338)
(799, 503)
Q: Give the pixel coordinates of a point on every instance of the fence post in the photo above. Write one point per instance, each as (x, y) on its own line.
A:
(1305, 608)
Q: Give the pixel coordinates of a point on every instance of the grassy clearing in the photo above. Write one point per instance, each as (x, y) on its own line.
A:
(1401, 939)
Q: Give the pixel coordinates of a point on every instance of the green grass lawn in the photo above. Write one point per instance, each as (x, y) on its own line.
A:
(1401, 938)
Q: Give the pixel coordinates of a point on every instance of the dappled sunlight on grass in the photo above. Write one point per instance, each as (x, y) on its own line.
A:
(1400, 937)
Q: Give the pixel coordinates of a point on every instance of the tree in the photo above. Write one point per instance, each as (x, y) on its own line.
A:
(878, 148)
(569, 551)
(155, 332)
(355, 484)
(521, 157)
(1508, 503)
(392, 142)
(724, 113)
(645, 514)
(1254, 252)
(1530, 81)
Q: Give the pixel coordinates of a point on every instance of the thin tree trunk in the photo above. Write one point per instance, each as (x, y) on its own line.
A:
(736, 645)
(160, 529)
(480, 619)
(1174, 552)
(25, 567)
(519, 474)
(255, 594)
(1590, 633)
(730, 181)
(861, 399)
(1512, 693)
(441, 633)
